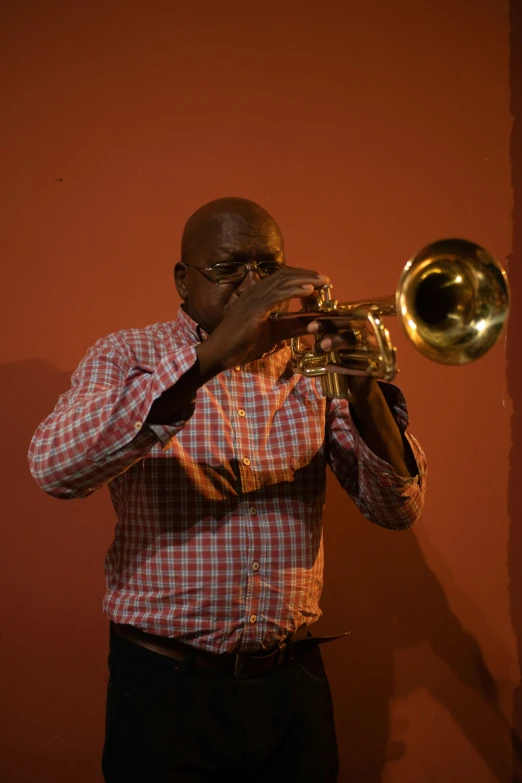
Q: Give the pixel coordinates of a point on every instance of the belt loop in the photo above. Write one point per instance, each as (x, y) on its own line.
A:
(238, 665)
(285, 652)
(301, 633)
(190, 661)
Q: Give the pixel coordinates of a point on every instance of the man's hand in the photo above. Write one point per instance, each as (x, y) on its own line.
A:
(245, 332)
(370, 411)
(362, 387)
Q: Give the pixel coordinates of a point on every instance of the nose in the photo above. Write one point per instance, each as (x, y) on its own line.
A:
(251, 277)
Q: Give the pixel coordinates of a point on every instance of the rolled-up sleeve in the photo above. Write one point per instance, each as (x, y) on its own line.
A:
(98, 429)
(383, 497)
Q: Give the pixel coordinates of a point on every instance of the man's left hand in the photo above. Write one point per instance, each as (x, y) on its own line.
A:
(362, 387)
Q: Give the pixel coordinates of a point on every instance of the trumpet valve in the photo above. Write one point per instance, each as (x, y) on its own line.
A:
(325, 294)
(324, 299)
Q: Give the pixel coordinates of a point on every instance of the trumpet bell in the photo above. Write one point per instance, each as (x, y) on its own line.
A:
(452, 300)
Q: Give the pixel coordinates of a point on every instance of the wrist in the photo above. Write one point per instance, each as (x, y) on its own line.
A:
(364, 392)
(209, 360)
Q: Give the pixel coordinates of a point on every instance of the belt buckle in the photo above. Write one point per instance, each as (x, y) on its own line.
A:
(278, 657)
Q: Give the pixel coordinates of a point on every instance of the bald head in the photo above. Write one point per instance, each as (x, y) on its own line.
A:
(225, 214)
(225, 231)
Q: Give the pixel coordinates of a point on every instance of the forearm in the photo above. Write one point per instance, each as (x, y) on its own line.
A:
(98, 429)
(377, 487)
(174, 399)
(68, 470)
(380, 432)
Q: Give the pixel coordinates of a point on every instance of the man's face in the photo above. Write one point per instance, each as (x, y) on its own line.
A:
(234, 237)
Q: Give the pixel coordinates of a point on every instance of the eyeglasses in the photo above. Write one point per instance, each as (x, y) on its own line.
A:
(236, 271)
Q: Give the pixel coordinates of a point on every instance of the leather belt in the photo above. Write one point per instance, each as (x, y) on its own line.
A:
(236, 664)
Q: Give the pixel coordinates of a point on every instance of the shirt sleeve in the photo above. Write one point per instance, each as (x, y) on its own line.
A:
(97, 429)
(383, 497)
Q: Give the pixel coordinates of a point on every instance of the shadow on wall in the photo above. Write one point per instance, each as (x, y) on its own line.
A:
(406, 637)
(54, 636)
(514, 374)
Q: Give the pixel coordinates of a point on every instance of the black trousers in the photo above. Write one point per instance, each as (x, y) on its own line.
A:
(169, 724)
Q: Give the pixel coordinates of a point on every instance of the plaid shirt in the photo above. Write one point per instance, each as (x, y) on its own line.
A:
(219, 533)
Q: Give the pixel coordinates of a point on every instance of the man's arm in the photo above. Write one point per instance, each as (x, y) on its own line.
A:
(98, 428)
(116, 411)
(174, 399)
(371, 479)
(376, 425)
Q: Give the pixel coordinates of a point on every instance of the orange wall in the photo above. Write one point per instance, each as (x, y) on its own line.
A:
(368, 129)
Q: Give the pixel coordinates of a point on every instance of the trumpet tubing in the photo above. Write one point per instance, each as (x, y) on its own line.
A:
(452, 300)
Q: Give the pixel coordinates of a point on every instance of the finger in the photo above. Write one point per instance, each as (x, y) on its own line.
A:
(345, 341)
(339, 370)
(310, 302)
(335, 323)
(269, 296)
(275, 289)
(323, 324)
(294, 290)
(295, 270)
(284, 329)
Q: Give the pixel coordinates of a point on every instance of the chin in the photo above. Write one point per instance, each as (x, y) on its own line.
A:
(206, 325)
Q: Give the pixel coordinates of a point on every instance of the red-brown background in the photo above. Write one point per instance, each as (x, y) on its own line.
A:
(368, 130)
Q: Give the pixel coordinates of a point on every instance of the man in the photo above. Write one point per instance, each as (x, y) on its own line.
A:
(215, 454)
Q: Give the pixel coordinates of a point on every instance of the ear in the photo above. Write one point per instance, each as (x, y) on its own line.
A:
(180, 279)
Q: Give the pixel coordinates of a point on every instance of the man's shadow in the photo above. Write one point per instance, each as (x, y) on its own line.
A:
(405, 636)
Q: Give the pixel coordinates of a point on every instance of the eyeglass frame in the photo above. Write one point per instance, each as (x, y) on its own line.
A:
(249, 266)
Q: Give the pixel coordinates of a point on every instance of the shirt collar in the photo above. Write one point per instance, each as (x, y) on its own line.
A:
(188, 327)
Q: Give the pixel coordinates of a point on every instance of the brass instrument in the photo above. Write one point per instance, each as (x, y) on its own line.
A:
(452, 300)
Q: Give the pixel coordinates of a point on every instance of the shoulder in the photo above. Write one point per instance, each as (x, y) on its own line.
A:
(142, 344)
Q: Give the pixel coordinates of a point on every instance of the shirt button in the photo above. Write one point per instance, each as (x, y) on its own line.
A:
(255, 566)
(253, 510)
(138, 425)
(237, 368)
(252, 619)
(241, 412)
(246, 461)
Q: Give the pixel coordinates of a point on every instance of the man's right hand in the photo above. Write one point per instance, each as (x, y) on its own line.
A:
(244, 334)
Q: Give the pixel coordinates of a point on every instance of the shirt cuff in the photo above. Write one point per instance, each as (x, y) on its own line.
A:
(166, 432)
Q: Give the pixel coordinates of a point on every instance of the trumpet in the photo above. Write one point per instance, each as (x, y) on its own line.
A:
(452, 300)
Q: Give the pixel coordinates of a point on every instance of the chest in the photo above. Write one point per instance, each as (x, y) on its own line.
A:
(272, 419)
